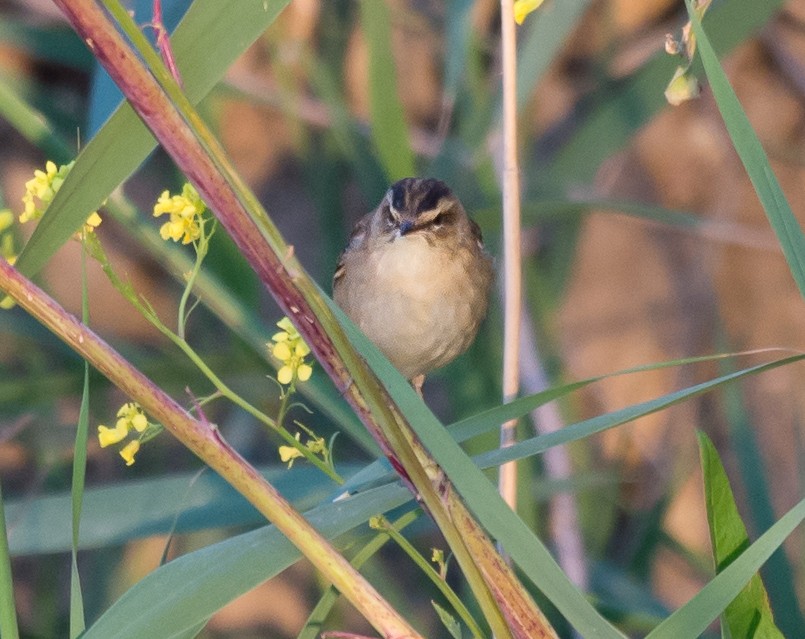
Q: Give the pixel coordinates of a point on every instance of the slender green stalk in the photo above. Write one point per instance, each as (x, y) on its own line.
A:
(426, 567)
(326, 602)
(8, 610)
(77, 620)
(204, 439)
(125, 289)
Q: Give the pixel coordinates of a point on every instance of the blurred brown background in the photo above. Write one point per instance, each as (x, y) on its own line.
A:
(635, 291)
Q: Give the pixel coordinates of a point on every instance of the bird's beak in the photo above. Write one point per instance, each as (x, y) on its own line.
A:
(406, 226)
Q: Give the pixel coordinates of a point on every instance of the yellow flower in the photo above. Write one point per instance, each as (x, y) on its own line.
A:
(288, 453)
(290, 349)
(130, 417)
(185, 211)
(316, 445)
(41, 189)
(523, 7)
(129, 451)
(131, 414)
(108, 436)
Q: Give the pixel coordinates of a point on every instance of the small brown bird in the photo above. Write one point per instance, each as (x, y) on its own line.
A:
(415, 277)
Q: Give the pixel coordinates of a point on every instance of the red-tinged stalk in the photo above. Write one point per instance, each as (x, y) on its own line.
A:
(205, 440)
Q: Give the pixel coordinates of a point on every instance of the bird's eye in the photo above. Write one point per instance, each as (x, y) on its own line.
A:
(440, 220)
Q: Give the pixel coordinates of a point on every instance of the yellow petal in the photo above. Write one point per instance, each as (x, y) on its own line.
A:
(286, 325)
(140, 422)
(287, 453)
(523, 7)
(108, 436)
(282, 352)
(129, 451)
(304, 372)
(94, 220)
(285, 375)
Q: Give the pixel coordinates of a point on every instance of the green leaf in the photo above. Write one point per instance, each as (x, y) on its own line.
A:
(543, 35)
(692, 619)
(753, 157)
(778, 573)
(449, 622)
(115, 514)
(187, 591)
(524, 547)
(597, 424)
(749, 615)
(389, 131)
(206, 42)
(77, 623)
(8, 610)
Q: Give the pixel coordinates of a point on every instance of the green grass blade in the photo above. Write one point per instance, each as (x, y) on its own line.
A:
(389, 131)
(185, 592)
(8, 611)
(204, 48)
(601, 423)
(77, 623)
(753, 157)
(778, 573)
(542, 36)
(749, 614)
(458, 31)
(693, 618)
(113, 515)
(30, 123)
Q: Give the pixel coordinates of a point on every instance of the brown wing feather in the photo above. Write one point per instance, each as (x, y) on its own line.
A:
(356, 239)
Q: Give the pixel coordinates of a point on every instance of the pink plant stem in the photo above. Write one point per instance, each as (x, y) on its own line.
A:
(205, 440)
(163, 42)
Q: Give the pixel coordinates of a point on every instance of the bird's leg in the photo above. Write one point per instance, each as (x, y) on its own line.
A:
(417, 382)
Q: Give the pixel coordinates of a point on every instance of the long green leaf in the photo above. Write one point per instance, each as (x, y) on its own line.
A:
(600, 423)
(749, 614)
(8, 610)
(389, 131)
(77, 623)
(524, 547)
(129, 510)
(777, 573)
(753, 157)
(693, 618)
(204, 47)
(183, 593)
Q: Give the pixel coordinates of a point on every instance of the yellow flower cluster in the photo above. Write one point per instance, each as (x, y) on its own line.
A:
(523, 7)
(42, 188)
(315, 445)
(290, 349)
(130, 417)
(185, 213)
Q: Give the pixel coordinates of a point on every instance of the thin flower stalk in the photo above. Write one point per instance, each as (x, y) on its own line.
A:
(204, 439)
(381, 523)
(96, 251)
